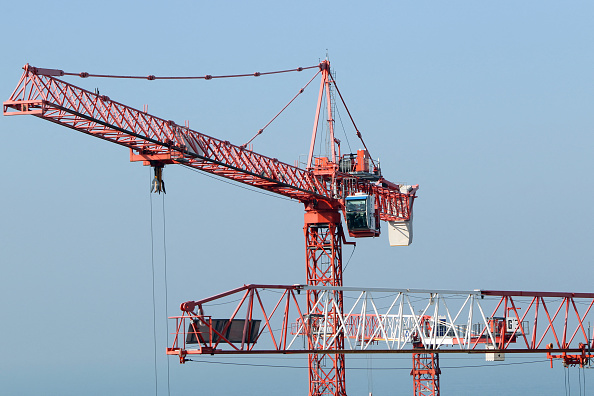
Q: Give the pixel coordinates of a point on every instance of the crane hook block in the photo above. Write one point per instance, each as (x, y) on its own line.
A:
(157, 184)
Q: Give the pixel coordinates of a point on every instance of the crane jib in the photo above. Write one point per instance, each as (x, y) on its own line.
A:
(154, 138)
(185, 153)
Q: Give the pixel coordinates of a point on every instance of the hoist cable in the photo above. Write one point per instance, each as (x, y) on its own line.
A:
(370, 374)
(580, 380)
(566, 372)
(584, 376)
(154, 291)
(205, 77)
(166, 294)
(154, 308)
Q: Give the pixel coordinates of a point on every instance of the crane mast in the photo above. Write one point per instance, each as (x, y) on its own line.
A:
(323, 261)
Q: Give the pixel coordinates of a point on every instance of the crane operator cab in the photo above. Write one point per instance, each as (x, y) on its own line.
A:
(361, 216)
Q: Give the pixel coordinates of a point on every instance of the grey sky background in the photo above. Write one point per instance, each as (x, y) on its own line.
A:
(486, 105)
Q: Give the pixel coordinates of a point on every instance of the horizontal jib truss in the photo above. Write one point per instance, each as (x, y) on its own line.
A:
(272, 319)
(41, 94)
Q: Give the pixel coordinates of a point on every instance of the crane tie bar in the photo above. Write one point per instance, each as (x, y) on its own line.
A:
(279, 113)
(55, 72)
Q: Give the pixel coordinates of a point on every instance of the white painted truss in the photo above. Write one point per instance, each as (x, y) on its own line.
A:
(393, 319)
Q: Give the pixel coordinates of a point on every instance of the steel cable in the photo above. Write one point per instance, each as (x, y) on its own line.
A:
(151, 77)
(153, 274)
(166, 295)
(361, 368)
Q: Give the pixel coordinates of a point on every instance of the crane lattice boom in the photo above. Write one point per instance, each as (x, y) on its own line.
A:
(273, 319)
(157, 142)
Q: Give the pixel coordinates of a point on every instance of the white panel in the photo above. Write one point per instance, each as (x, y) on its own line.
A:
(400, 232)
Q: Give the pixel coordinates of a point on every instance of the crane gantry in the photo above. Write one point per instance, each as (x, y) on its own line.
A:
(330, 187)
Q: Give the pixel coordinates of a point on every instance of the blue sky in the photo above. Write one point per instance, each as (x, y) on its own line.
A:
(486, 105)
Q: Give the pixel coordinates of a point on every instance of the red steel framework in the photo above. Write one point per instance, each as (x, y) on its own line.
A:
(158, 142)
(323, 234)
(417, 322)
(425, 373)
(541, 322)
(322, 187)
(551, 323)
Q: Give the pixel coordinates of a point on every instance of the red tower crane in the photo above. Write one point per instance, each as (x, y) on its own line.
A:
(335, 184)
(351, 184)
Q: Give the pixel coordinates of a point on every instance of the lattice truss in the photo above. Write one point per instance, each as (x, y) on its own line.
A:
(156, 140)
(388, 320)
